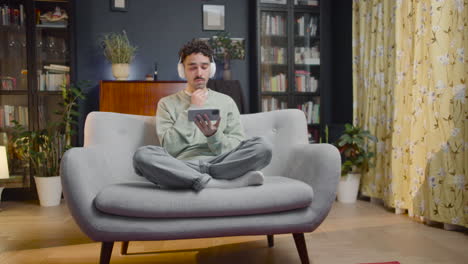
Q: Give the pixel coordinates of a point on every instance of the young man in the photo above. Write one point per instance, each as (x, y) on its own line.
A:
(201, 153)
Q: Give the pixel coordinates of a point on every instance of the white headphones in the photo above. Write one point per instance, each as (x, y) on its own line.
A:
(180, 68)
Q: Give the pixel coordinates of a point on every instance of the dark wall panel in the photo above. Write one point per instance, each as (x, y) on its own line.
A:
(342, 85)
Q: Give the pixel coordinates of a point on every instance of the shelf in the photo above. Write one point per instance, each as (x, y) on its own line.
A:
(274, 2)
(274, 41)
(274, 65)
(13, 92)
(306, 93)
(41, 26)
(12, 27)
(306, 65)
(273, 36)
(59, 62)
(14, 181)
(270, 93)
(53, 1)
(306, 9)
(266, 4)
(298, 38)
(49, 92)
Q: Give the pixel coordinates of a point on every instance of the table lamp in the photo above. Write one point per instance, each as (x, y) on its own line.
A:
(4, 173)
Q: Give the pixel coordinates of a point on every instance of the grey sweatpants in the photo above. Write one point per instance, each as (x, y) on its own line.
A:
(158, 166)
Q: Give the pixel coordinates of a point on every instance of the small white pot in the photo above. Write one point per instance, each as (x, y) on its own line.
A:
(348, 188)
(49, 190)
(121, 71)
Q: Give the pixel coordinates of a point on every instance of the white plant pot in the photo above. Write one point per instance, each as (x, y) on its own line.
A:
(348, 188)
(49, 190)
(120, 71)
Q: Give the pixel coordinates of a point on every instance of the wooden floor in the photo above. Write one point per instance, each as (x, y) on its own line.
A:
(357, 233)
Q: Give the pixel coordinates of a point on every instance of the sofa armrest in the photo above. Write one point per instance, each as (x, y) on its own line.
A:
(318, 165)
(84, 172)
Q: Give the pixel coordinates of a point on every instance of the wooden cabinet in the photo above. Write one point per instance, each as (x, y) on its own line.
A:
(142, 97)
(135, 97)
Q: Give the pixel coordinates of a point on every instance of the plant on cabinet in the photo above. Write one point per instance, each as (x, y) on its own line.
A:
(226, 49)
(119, 52)
(356, 160)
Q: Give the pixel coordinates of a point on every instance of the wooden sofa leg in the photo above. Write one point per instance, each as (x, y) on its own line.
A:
(106, 252)
(301, 247)
(124, 248)
(271, 240)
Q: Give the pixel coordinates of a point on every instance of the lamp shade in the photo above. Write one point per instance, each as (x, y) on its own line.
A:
(4, 173)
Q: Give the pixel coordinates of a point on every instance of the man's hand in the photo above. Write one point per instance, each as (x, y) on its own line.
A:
(199, 97)
(206, 127)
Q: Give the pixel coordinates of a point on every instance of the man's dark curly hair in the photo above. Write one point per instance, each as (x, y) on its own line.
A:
(195, 46)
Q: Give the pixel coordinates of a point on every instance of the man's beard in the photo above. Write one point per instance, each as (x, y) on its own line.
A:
(200, 85)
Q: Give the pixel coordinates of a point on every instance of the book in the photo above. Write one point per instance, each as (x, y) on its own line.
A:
(22, 16)
(57, 68)
(53, 81)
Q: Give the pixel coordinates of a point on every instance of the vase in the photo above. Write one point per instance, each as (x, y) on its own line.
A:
(49, 190)
(227, 74)
(120, 71)
(348, 188)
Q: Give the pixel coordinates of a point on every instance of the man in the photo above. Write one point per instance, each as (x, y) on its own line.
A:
(201, 153)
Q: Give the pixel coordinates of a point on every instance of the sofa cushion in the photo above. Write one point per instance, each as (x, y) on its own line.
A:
(145, 199)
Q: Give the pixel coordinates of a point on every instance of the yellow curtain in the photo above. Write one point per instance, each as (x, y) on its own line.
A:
(410, 73)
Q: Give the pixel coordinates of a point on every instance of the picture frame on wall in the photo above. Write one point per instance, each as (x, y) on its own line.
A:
(119, 5)
(213, 17)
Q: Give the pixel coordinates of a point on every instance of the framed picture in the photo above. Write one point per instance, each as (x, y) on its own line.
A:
(118, 5)
(213, 17)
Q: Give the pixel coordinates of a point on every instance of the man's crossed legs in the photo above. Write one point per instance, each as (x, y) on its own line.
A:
(236, 168)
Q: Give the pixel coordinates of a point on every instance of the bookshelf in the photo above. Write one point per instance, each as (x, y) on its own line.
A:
(36, 57)
(291, 67)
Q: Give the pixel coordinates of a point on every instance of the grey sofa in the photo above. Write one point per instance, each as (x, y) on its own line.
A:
(111, 203)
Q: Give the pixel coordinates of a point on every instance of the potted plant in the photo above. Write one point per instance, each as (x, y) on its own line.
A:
(43, 148)
(119, 52)
(226, 49)
(356, 160)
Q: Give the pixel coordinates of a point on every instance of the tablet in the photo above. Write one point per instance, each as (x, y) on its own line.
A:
(213, 114)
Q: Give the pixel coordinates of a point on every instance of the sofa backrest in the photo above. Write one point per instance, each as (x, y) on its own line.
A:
(283, 128)
(122, 134)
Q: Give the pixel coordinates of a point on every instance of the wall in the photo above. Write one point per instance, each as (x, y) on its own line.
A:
(159, 28)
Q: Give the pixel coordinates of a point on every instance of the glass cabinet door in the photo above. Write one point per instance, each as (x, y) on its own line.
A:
(13, 63)
(289, 60)
(35, 48)
(14, 99)
(52, 44)
(307, 64)
(13, 108)
(306, 52)
(273, 59)
(52, 56)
